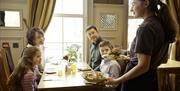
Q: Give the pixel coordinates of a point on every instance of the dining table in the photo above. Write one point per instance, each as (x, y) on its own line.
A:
(57, 78)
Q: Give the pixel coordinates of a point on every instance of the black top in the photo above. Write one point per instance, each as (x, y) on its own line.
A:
(95, 56)
(150, 40)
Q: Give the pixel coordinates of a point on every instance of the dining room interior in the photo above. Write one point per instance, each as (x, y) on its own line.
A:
(66, 41)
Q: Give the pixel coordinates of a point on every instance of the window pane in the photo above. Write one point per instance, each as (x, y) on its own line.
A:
(53, 33)
(53, 52)
(130, 6)
(69, 6)
(12, 19)
(73, 34)
(73, 6)
(73, 29)
(65, 31)
(53, 37)
(58, 6)
(133, 24)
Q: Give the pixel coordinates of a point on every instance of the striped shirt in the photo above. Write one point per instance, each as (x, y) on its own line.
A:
(29, 81)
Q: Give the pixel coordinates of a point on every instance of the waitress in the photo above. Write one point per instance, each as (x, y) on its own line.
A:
(149, 47)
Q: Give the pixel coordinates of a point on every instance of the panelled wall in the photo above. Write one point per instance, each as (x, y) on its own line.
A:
(109, 1)
(110, 17)
(14, 36)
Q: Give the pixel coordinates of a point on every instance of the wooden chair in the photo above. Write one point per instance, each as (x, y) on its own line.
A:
(4, 73)
(167, 72)
(8, 56)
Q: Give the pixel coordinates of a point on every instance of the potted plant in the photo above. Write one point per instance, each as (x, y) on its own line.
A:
(72, 54)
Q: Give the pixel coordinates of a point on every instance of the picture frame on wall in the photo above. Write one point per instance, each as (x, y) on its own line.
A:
(108, 21)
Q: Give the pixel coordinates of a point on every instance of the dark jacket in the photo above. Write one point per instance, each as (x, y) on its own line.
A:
(95, 56)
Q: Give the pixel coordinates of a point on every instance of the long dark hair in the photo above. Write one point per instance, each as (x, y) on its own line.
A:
(25, 63)
(162, 12)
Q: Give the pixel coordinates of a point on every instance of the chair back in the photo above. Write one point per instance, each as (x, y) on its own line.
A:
(174, 52)
(3, 74)
(178, 49)
(4, 62)
(8, 56)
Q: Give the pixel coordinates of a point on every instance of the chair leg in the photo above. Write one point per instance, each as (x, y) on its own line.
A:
(172, 81)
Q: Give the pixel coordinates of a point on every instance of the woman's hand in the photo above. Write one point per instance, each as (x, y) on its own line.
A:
(111, 81)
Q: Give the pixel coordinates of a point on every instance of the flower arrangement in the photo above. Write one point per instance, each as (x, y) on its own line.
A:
(72, 55)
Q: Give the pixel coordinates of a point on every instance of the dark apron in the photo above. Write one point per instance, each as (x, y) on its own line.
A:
(144, 82)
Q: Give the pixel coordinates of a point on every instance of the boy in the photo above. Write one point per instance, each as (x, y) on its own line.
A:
(108, 66)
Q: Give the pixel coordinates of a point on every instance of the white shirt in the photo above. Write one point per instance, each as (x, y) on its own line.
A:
(112, 68)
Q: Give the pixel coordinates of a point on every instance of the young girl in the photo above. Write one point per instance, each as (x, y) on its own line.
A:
(23, 77)
(149, 47)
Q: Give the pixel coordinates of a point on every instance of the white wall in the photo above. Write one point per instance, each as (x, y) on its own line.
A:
(14, 35)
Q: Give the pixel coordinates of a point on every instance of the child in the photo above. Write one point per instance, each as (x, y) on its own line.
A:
(107, 66)
(23, 77)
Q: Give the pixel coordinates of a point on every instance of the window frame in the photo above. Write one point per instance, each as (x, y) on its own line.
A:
(63, 15)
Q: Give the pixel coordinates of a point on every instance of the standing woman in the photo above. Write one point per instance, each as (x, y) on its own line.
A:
(23, 77)
(149, 47)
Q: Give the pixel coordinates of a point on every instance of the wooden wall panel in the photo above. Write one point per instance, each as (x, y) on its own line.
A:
(109, 1)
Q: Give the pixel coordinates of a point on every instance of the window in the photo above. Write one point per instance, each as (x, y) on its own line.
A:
(133, 24)
(65, 29)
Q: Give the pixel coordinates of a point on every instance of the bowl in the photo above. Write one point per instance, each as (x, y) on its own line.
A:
(93, 76)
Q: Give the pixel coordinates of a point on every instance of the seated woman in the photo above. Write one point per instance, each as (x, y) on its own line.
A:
(23, 77)
(35, 37)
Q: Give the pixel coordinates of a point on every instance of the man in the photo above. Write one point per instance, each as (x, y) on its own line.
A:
(94, 55)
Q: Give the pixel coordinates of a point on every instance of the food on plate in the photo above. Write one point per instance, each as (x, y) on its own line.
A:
(92, 76)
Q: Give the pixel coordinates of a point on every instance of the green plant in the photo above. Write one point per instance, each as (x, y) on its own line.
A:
(72, 53)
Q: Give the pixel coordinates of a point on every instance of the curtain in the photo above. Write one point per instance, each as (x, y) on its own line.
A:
(174, 7)
(3, 72)
(7, 48)
(40, 13)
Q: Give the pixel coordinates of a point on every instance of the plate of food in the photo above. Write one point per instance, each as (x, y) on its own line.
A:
(94, 76)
